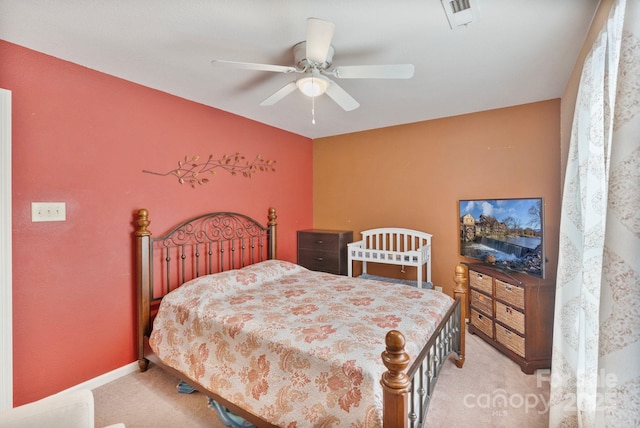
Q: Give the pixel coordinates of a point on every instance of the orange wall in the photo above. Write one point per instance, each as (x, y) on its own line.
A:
(83, 138)
(413, 176)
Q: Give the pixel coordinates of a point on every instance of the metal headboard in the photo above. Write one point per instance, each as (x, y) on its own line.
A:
(202, 245)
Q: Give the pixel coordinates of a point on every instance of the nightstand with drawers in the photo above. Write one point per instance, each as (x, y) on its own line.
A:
(324, 250)
(514, 313)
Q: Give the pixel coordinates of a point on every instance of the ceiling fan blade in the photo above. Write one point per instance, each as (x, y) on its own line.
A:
(253, 66)
(279, 94)
(394, 71)
(341, 97)
(319, 36)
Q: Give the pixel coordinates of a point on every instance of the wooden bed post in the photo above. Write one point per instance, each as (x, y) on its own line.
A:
(460, 278)
(273, 250)
(395, 382)
(143, 236)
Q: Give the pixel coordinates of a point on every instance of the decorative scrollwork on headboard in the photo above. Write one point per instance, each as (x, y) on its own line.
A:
(222, 226)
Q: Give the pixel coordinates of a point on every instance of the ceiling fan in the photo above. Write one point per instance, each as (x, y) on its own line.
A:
(313, 61)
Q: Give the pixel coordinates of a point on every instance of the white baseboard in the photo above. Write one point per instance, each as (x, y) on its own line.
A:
(105, 378)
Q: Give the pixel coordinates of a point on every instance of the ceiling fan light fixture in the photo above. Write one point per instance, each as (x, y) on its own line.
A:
(312, 86)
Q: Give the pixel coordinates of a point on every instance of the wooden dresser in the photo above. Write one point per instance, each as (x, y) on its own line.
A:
(324, 250)
(513, 312)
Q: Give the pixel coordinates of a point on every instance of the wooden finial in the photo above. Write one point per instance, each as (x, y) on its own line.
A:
(143, 222)
(460, 278)
(272, 217)
(396, 360)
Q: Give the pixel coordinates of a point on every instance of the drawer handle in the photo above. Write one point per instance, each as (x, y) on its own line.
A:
(480, 316)
(319, 241)
(508, 310)
(319, 259)
(507, 287)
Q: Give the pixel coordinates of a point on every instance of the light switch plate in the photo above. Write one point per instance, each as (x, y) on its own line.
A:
(48, 211)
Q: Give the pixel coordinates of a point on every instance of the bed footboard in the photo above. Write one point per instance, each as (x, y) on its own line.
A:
(407, 392)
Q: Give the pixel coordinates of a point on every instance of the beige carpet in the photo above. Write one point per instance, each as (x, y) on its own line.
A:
(489, 391)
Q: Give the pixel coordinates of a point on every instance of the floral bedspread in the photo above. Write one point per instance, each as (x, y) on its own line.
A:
(293, 346)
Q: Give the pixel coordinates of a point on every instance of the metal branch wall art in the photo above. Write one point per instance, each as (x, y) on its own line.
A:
(195, 172)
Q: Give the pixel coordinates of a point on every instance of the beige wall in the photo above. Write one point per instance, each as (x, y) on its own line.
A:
(413, 175)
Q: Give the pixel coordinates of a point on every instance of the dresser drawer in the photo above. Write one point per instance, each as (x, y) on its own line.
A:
(480, 281)
(324, 250)
(510, 339)
(323, 261)
(482, 322)
(521, 318)
(318, 241)
(511, 317)
(481, 302)
(512, 295)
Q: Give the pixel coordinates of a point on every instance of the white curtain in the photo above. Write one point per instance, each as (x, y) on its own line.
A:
(596, 343)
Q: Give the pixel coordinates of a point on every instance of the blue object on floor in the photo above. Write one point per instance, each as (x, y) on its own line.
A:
(185, 388)
(227, 417)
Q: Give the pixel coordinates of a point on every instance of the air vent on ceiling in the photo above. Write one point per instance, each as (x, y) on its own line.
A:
(460, 13)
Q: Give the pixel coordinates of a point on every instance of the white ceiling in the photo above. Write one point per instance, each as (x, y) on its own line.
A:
(518, 51)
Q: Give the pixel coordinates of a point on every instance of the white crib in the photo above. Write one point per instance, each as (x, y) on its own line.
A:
(396, 246)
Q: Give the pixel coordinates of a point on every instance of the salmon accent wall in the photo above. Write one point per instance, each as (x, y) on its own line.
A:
(84, 137)
(413, 176)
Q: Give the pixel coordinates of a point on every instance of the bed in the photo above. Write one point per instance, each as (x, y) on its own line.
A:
(274, 342)
(393, 246)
